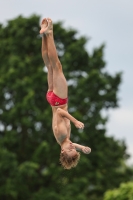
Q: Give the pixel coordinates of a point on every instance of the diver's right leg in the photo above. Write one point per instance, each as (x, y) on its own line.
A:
(59, 81)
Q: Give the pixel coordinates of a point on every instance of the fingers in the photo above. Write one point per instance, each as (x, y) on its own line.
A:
(87, 150)
(81, 125)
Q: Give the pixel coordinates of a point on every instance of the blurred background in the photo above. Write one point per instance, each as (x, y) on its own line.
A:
(104, 30)
(109, 22)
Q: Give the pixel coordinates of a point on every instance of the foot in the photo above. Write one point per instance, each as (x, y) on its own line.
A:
(49, 28)
(44, 26)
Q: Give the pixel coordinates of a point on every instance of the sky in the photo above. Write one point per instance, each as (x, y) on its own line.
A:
(108, 22)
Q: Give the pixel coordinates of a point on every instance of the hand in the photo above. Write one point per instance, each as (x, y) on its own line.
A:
(86, 150)
(79, 124)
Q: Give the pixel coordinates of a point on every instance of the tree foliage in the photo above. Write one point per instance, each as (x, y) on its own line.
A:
(29, 154)
(124, 192)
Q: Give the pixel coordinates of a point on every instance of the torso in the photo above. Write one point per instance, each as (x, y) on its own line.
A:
(61, 125)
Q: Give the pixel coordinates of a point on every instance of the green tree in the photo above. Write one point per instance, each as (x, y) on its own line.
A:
(29, 154)
(124, 192)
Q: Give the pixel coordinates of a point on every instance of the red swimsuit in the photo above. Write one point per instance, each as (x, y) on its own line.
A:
(54, 100)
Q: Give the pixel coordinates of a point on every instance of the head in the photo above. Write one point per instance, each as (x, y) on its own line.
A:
(69, 158)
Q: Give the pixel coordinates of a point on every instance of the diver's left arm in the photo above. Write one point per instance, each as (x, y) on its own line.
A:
(63, 113)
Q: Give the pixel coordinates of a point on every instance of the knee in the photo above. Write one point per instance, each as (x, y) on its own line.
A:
(55, 62)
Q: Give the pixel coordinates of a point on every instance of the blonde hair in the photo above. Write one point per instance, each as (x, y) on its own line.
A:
(69, 162)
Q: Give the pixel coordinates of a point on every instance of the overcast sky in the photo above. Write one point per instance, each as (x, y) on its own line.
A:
(103, 21)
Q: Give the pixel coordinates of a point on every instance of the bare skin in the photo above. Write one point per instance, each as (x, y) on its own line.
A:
(57, 83)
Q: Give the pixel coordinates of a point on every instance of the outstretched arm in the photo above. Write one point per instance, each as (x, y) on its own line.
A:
(63, 113)
(82, 148)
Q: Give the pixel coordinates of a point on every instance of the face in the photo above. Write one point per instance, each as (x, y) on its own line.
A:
(71, 152)
(69, 149)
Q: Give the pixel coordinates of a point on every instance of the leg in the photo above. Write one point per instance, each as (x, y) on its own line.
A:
(45, 57)
(59, 82)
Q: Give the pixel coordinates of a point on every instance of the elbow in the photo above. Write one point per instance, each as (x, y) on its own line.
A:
(58, 110)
